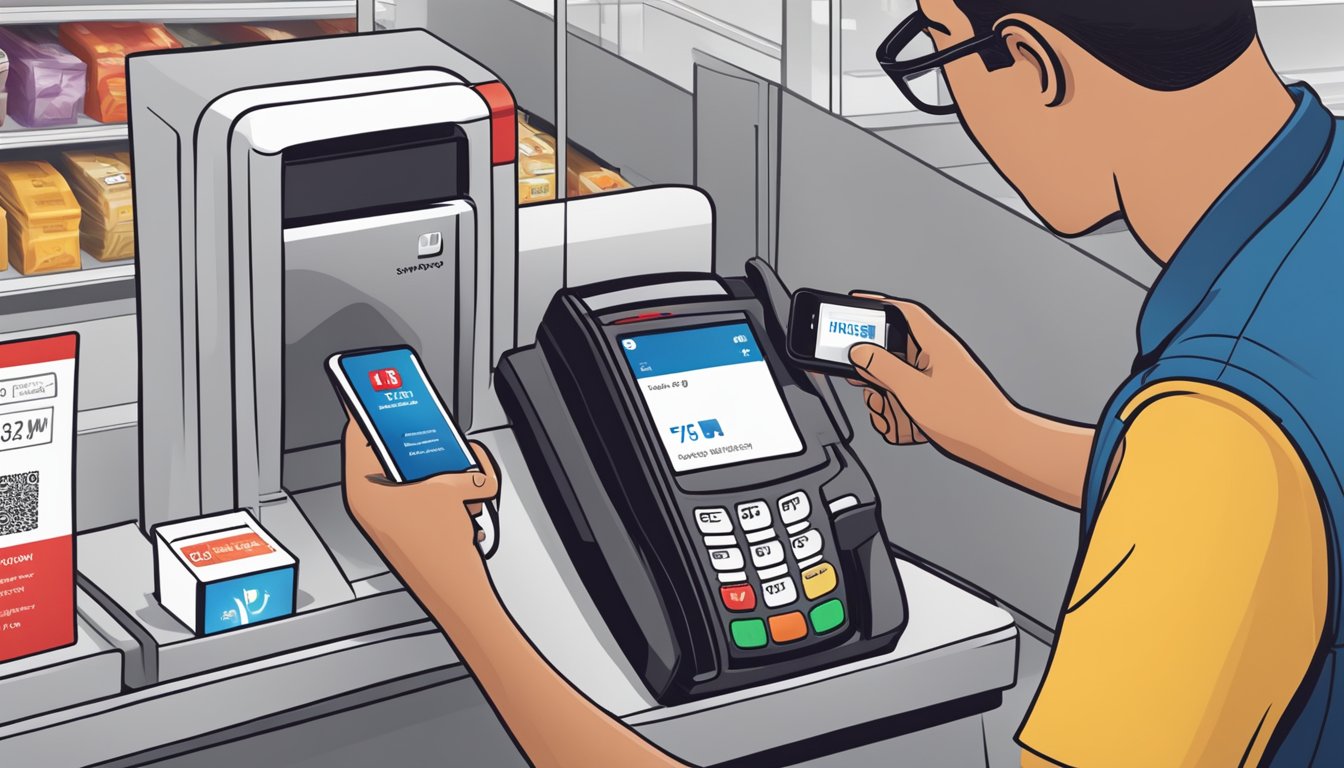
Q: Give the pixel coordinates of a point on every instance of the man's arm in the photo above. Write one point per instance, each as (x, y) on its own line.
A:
(1043, 455)
(425, 533)
(553, 723)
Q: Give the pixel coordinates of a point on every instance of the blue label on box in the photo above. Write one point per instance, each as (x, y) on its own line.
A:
(248, 599)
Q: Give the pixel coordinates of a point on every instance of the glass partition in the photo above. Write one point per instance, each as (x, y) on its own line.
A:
(831, 59)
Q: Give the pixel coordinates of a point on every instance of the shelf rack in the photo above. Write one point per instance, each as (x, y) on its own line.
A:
(93, 271)
(14, 136)
(35, 12)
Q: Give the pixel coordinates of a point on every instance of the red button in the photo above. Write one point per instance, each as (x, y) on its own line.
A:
(740, 597)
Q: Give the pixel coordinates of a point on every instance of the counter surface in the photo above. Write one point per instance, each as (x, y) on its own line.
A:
(956, 646)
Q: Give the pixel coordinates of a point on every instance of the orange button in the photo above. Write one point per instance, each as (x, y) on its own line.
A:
(788, 627)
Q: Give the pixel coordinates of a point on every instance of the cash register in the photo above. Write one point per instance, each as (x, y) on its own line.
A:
(726, 530)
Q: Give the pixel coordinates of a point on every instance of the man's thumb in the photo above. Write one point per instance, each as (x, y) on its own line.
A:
(879, 366)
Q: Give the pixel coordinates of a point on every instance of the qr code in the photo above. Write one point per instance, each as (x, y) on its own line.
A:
(18, 502)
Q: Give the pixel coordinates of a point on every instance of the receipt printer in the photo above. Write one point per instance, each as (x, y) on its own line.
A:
(726, 531)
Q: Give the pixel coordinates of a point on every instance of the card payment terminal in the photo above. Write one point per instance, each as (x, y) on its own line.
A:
(727, 533)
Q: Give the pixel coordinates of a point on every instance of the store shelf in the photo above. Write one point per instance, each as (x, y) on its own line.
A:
(37, 12)
(14, 135)
(13, 283)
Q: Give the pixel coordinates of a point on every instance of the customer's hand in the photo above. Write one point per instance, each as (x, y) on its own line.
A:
(422, 524)
(939, 392)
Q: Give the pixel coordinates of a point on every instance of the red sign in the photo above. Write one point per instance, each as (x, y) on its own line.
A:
(37, 597)
(37, 546)
(387, 378)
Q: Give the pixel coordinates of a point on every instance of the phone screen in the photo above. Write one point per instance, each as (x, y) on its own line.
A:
(404, 412)
(840, 327)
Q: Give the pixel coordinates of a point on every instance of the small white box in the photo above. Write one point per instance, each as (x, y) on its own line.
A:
(222, 572)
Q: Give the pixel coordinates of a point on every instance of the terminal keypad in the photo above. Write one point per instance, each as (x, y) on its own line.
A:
(775, 541)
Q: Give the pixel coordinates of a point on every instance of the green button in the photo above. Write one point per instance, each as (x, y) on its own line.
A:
(828, 616)
(749, 633)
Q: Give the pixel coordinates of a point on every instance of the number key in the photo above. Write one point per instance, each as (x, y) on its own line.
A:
(794, 507)
(806, 545)
(779, 592)
(726, 559)
(712, 520)
(767, 554)
(754, 515)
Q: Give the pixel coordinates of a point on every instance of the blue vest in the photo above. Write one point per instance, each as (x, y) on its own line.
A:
(1253, 302)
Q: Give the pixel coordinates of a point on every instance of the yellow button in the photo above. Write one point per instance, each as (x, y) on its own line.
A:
(818, 580)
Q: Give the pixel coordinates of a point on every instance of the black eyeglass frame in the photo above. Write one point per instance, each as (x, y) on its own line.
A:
(991, 47)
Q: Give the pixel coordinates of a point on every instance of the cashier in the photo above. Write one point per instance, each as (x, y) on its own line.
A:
(1203, 613)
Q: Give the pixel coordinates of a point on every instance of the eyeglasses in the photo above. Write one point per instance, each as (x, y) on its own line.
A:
(989, 45)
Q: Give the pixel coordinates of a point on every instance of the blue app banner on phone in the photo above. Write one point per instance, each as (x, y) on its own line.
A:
(402, 408)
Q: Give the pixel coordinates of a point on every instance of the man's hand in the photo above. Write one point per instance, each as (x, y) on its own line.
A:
(415, 524)
(946, 396)
(942, 394)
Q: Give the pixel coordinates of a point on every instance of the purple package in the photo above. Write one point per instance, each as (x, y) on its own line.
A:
(46, 82)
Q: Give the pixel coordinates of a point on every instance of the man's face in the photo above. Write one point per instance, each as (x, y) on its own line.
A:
(1049, 154)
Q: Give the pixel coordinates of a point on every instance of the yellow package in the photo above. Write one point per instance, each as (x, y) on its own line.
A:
(42, 253)
(536, 189)
(102, 184)
(44, 218)
(536, 155)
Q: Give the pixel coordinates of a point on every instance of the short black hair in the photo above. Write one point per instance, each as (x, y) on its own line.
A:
(1166, 45)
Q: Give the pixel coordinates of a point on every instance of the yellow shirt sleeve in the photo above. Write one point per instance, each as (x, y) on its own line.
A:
(1201, 597)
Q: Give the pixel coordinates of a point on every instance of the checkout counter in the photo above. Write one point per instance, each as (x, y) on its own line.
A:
(257, 259)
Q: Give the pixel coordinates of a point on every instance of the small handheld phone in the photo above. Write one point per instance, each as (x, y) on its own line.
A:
(823, 326)
(404, 419)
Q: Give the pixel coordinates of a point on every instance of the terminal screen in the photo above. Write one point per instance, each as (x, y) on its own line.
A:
(841, 327)
(712, 396)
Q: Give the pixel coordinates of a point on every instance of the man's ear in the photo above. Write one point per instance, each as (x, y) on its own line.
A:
(1028, 46)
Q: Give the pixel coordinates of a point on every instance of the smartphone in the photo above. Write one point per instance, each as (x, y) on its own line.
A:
(403, 417)
(823, 326)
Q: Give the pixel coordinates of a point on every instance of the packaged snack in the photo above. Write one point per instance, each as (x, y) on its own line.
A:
(536, 155)
(46, 82)
(43, 218)
(602, 181)
(346, 26)
(102, 185)
(194, 35)
(262, 33)
(103, 47)
(576, 164)
(536, 189)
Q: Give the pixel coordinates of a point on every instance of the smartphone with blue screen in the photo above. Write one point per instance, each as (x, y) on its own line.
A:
(404, 419)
